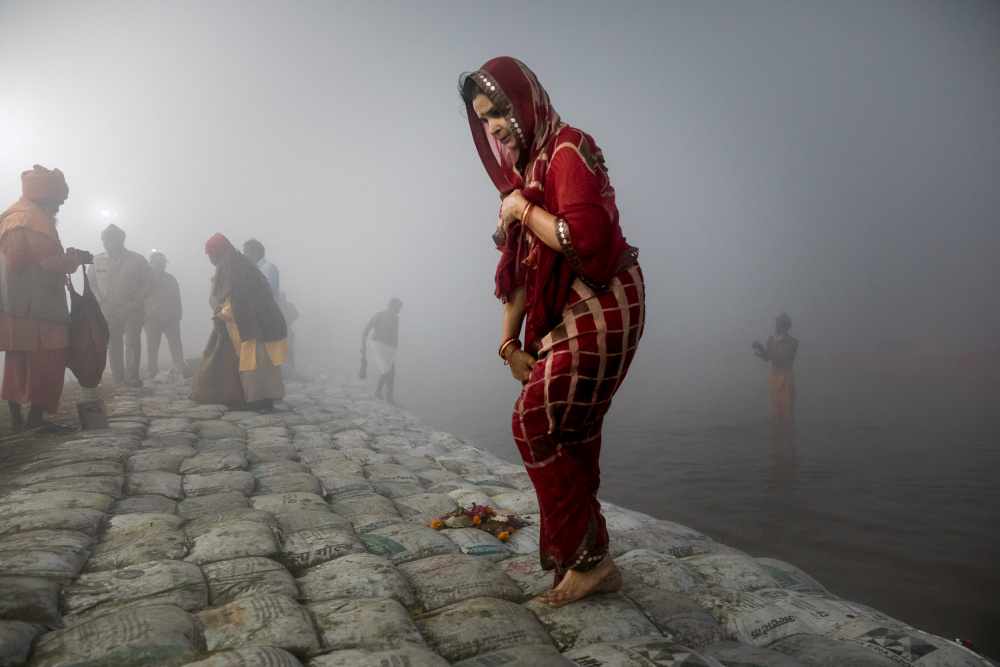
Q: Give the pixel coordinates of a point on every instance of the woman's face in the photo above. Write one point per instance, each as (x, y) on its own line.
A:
(496, 123)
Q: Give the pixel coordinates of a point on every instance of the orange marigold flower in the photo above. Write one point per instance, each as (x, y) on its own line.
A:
(437, 524)
(503, 536)
(477, 519)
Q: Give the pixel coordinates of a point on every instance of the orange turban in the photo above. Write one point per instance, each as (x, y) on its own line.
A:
(217, 246)
(42, 185)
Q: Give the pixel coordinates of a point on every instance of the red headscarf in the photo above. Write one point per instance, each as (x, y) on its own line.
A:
(217, 246)
(546, 274)
(42, 185)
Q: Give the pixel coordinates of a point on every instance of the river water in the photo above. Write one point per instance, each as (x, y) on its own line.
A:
(885, 490)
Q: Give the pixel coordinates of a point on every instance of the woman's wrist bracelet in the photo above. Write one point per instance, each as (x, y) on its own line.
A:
(526, 215)
(507, 343)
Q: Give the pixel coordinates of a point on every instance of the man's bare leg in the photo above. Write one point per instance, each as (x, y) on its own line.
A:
(605, 578)
(381, 383)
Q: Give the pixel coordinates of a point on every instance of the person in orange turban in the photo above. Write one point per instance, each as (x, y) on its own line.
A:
(34, 317)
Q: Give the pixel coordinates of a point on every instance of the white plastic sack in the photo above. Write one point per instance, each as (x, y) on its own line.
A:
(479, 625)
(373, 624)
(255, 656)
(50, 554)
(641, 569)
(193, 508)
(598, 618)
(155, 482)
(442, 580)
(401, 543)
(750, 617)
(678, 618)
(279, 503)
(30, 600)
(644, 651)
(237, 539)
(230, 580)
(200, 484)
(158, 634)
(261, 620)
(163, 582)
(478, 543)
(355, 576)
(306, 548)
(408, 656)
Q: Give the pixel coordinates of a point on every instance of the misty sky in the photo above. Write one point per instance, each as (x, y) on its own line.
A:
(838, 161)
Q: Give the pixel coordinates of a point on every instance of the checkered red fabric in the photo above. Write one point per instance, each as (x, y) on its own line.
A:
(558, 417)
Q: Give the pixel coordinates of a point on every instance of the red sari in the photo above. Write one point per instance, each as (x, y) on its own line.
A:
(584, 307)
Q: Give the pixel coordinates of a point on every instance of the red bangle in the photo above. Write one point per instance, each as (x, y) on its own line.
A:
(526, 215)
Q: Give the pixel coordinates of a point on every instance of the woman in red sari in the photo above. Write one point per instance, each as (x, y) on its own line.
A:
(569, 278)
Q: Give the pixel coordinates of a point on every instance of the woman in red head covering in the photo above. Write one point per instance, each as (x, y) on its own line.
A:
(569, 278)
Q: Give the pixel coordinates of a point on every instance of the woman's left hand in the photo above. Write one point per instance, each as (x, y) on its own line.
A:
(511, 209)
(521, 364)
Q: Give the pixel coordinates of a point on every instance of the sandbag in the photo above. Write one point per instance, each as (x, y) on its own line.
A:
(401, 543)
(214, 429)
(408, 656)
(259, 452)
(364, 456)
(29, 600)
(731, 571)
(273, 468)
(155, 482)
(906, 646)
(166, 461)
(192, 508)
(230, 580)
(791, 577)
(350, 439)
(749, 617)
(423, 508)
(292, 482)
(479, 625)
(598, 618)
(314, 455)
(209, 522)
(644, 651)
(339, 487)
(364, 523)
(50, 554)
(279, 503)
(80, 519)
(146, 504)
(163, 582)
(677, 617)
(26, 501)
(140, 544)
(533, 655)
(224, 481)
(158, 634)
(526, 571)
(442, 580)
(818, 651)
(641, 569)
(355, 576)
(215, 460)
(362, 503)
(305, 548)
(254, 656)
(15, 641)
(522, 503)
(236, 539)
(78, 469)
(292, 522)
(525, 541)
(478, 543)
(261, 620)
(736, 653)
(372, 624)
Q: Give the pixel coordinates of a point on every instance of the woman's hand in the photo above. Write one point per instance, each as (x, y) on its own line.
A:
(511, 209)
(521, 364)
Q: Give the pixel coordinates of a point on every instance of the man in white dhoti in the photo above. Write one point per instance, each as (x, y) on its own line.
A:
(385, 338)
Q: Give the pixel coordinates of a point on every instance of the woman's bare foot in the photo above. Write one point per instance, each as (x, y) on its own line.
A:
(605, 578)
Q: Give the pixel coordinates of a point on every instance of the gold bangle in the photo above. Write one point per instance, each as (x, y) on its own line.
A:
(526, 215)
(510, 341)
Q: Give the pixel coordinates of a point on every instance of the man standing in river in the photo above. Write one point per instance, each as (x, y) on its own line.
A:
(780, 351)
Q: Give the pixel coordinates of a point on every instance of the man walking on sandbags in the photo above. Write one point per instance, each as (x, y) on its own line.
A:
(122, 280)
(34, 317)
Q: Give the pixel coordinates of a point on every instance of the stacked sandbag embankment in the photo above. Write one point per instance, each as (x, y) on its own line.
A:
(192, 534)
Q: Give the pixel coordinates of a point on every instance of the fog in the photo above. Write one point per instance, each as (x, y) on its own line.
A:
(838, 161)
